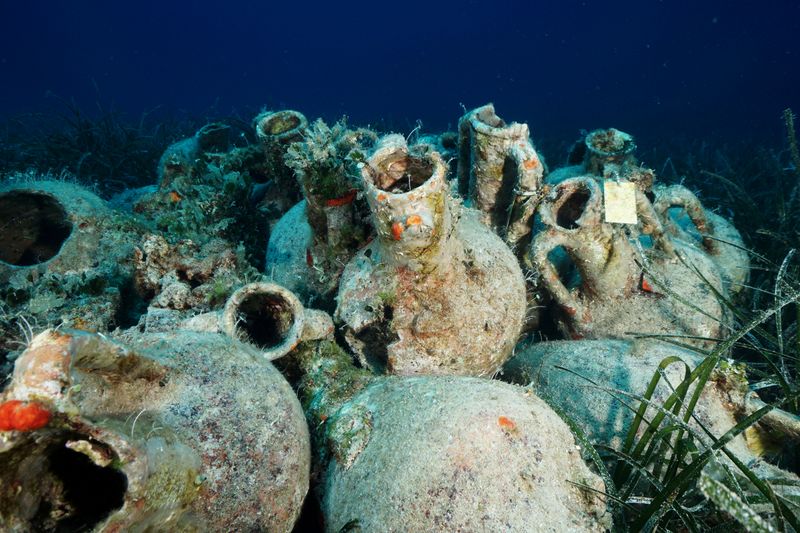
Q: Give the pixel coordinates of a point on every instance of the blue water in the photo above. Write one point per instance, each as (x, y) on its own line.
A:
(654, 68)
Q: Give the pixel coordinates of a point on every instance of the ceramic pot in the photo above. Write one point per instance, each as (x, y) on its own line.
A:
(440, 453)
(435, 291)
(608, 153)
(597, 382)
(65, 258)
(284, 126)
(202, 194)
(272, 318)
(311, 244)
(276, 131)
(187, 156)
(500, 172)
(180, 431)
(607, 147)
(309, 258)
(621, 289)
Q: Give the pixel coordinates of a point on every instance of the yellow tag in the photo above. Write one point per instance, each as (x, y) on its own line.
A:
(620, 202)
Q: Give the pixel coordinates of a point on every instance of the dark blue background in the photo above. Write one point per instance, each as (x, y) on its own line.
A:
(653, 68)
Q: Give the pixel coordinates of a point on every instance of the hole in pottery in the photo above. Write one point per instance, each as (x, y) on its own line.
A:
(76, 493)
(265, 319)
(505, 196)
(133, 304)
(377, 338)
(214, 137)
(449, 140)
(566, 268)
(187, 277)
(278, 123)
(33, 227)
(571, 208)
(577, 152)
(402, 174)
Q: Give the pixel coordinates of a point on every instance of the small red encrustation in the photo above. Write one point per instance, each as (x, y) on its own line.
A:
(16, 415)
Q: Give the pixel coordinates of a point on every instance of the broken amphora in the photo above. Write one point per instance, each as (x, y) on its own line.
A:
(183, 431)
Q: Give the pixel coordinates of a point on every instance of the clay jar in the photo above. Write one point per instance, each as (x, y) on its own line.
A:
(186, 157)
(621, 290)
(272, 318)
(309, 247)
(607, 147)
(687, 221)
(202, 193)
(49, 226)
(284, 127)
(276, 130)
(601, 153)
(436, 291)
(311, 244)
(440, 453)
(500, 172)
(180, 431)
(65, 257)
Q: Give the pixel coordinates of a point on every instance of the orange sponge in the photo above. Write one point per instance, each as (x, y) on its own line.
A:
(16, 415)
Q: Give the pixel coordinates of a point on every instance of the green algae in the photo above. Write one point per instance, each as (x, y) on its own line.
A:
(326, 160)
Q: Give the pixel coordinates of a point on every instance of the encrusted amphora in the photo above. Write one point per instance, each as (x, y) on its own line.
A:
(499, 172)
(436, 291)
(601, 153)
(415, 452)
(309, 259)
(311, 244)
(619, 287)
(449, 453)
(176, 431)
(276, 131)
(599, 381)
(186, 157)
(65, 257)
(610, 154)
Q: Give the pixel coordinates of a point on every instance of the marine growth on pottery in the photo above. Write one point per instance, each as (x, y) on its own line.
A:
(687, 221)
(311, 244)
(499, 172)
(622, 289)
(436, 292)
(186, 431)
(65, 258)
(597, 381)
(441, 453)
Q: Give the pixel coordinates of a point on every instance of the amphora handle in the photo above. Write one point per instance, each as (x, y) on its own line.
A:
(572, 211)
(545, 243)
(680, 196)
